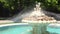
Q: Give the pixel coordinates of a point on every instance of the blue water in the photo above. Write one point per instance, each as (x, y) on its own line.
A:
(53, 30)
(18, 29)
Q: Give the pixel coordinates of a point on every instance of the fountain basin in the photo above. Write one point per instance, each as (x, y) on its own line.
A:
(53, 28)
(39, 27)
(16, 28)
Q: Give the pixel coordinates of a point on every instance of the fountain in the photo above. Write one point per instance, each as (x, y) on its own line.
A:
(37, 15)
(39, 27)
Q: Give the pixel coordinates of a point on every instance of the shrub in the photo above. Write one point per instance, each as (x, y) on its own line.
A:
(51, 5)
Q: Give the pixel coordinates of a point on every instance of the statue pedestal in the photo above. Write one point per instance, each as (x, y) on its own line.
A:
(39, 28)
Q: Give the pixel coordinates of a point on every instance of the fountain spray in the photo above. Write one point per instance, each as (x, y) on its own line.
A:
(37, 10)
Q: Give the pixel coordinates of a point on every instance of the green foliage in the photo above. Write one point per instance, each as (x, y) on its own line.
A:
(27, 3)
(15, 5)
(50, 5)
(10, 4)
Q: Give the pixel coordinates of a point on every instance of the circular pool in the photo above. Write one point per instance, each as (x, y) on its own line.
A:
(16, 29)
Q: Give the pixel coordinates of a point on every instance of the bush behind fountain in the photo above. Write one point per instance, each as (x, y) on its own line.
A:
(50, 5)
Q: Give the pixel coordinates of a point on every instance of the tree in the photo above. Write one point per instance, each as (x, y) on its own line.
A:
(51, 5)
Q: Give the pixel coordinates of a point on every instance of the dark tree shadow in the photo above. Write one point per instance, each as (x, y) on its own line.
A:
(4, 12)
